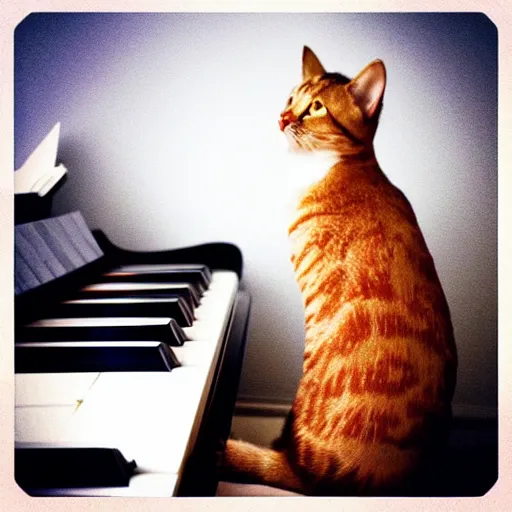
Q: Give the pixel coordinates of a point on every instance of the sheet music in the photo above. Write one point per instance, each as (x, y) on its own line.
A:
(49, 248)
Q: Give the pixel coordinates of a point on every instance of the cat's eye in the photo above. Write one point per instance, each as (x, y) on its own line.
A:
(316, 105)
(316, 108)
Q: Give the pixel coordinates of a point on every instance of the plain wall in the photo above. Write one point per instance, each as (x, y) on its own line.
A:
(169, 132)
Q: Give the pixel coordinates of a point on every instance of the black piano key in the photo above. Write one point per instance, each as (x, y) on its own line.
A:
(38, 468)
(203, 270)
(165, 330)
(171, 307)
(137, 290)
(75, 357)
(169, 275)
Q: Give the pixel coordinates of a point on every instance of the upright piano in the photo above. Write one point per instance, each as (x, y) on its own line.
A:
(127, 363)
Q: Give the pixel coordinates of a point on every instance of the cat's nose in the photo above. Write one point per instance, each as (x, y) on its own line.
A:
(286, 118)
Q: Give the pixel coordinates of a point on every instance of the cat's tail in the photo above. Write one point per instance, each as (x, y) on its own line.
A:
(245, 462)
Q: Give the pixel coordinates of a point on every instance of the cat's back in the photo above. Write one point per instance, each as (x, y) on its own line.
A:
(356, 242)
(379, 355)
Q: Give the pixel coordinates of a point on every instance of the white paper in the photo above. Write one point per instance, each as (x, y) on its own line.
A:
(39, 173)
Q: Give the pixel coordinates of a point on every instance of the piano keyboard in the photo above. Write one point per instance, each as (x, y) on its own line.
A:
(126, 388)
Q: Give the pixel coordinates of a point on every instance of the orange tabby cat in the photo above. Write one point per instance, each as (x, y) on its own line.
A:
(380, 359)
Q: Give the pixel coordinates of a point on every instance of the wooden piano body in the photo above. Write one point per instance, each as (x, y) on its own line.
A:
(118, 427)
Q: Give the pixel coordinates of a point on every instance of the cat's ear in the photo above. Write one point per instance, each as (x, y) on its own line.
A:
(311, 66)
(368, 87)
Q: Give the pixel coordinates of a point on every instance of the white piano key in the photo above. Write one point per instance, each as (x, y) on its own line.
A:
(41, 424)
(195, 353)
(52, 388)
(151, 485)
(148, 417)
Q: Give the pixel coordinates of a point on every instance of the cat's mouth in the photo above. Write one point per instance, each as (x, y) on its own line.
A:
(299, 139)
(288, 124)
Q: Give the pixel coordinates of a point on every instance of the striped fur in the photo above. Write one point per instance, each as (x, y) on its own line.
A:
(380, 359)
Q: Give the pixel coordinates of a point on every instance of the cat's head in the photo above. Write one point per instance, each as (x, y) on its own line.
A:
(328, 111)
